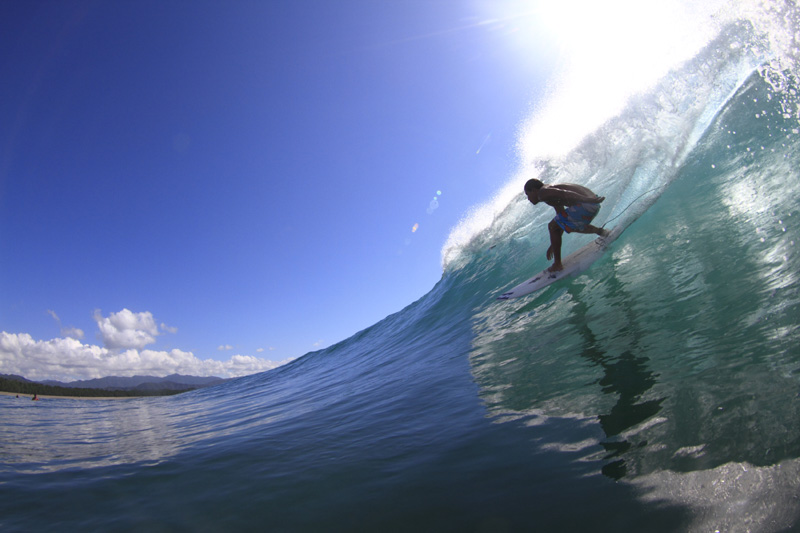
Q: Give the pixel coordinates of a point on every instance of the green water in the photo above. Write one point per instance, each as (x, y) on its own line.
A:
(683, 341)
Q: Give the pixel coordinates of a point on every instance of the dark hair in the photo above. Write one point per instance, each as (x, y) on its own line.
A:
(533, 184)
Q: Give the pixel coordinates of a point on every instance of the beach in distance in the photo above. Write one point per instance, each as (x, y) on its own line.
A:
(50, 397)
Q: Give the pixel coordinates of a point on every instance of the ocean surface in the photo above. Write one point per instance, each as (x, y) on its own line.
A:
(657, 391)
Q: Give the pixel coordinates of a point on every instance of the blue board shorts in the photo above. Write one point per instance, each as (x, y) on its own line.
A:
(577, 217)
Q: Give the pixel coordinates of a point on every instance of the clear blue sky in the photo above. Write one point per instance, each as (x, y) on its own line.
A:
(244, 174)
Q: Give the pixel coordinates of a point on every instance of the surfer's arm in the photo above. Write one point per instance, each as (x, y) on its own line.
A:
(559, 195)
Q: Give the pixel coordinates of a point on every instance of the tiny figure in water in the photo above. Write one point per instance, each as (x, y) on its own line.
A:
(35, 397)
(575, 205)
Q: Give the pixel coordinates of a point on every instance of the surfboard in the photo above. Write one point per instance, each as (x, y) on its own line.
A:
(574, 264)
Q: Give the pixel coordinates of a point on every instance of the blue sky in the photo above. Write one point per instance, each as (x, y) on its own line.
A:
(205, 179)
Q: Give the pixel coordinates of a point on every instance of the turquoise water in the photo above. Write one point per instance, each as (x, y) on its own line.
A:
(658, 391)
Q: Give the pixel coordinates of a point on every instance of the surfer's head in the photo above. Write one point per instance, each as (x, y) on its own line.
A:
(532, 190)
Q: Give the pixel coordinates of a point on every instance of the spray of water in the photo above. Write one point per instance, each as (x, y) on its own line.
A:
(638, 84)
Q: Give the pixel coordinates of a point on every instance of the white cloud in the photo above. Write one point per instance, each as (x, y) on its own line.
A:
(224, 347)
(75, 333)
(124, 335)
(67, 359)
(127, 329)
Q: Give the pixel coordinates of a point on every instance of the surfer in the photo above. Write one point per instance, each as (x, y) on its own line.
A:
(575, 205)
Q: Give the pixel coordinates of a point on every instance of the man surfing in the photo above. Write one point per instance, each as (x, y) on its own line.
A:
(575, 205)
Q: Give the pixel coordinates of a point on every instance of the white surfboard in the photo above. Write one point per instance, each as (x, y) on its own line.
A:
(574, 264)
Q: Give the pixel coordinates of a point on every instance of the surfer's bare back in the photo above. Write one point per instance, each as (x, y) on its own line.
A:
(575, 205)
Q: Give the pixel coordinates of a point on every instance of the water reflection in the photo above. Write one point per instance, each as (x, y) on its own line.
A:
(625, 376)
(580, 355)
(683, 338)
(58, 434)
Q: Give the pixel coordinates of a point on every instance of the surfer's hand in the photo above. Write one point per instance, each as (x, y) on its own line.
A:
(600, 199)
(549, 253)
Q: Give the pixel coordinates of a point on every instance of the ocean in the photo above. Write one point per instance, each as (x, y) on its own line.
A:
(657, 391)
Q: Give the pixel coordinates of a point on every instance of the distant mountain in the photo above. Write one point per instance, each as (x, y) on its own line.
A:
(15, 377)
(111, 386)
(171, 382)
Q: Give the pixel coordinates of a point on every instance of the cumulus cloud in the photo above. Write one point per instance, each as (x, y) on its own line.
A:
(67, 359)
(127, 329)
(124, 336)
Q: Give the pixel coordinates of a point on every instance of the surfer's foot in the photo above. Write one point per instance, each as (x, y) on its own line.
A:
(556, 267)
(604, 232)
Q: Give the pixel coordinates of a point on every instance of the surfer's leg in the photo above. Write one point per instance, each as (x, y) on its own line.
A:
(592, 229)
(579, 219)
(554, 251)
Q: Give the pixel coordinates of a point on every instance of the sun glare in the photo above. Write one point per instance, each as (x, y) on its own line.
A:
(616, 48)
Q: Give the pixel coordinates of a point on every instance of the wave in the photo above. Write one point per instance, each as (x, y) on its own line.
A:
(634, 155)
(647, 392)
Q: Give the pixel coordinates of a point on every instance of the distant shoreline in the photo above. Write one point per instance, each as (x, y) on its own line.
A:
(51, 397)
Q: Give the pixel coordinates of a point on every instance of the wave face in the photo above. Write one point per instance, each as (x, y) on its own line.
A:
(657, 391)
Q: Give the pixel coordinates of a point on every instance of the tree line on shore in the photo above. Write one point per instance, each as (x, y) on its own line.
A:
(30, 388)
